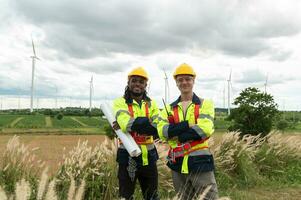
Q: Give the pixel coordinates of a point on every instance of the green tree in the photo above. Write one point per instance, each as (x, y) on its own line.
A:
(255, 113)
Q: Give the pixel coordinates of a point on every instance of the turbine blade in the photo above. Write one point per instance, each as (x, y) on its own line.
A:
(266, 80)
(165, 73)
(33, 49)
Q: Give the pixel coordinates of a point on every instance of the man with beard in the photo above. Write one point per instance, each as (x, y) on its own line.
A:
(137, 114)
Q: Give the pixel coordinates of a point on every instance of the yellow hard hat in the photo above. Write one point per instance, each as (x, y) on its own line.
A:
(184, 69)
(139, 71)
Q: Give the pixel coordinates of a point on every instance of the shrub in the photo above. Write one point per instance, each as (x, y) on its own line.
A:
(59, 116)
(282, 125)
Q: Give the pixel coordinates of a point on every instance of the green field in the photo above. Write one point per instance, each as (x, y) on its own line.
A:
(76, 124)
(41, 124)
(91, 121)
(31, 121)
(6, 120)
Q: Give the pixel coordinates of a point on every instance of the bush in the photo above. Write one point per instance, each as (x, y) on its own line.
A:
(282, 125)
(60, 116)
(109, 131)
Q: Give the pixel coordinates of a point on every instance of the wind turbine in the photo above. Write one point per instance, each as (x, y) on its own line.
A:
(55, 96)
(34, 57)
(166, 87)
(266, 84)
(224, 96)
(91, 91)
(229, 85)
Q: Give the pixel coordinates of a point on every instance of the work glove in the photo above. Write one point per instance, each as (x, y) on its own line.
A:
(150, 130)
(176, 129)
(189, 135)
(139, 124)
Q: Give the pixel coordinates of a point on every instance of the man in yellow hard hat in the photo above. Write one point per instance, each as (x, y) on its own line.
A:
(137, 114)
(186, 125)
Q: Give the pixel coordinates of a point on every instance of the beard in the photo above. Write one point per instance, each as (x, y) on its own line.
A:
(136, 94)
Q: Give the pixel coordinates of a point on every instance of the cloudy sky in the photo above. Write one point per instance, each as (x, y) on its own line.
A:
(257, 40)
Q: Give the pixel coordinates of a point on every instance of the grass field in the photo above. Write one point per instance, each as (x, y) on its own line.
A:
(40, 124)
(52, 147)
(6, 120)
(54, 138)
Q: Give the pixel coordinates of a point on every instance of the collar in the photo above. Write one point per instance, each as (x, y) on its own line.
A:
(195, 100)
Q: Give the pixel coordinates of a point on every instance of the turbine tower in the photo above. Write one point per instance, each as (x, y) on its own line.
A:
(34, 57)
(224, 97)
(266, 84)
(91, 92)
(229, 83)
(166, 87)
(55, 96)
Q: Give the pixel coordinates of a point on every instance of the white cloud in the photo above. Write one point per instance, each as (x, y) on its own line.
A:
(76, 40)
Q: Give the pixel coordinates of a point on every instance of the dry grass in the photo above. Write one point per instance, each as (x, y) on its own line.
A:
(51, 147)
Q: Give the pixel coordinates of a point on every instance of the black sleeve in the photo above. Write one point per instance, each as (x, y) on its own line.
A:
(139, 124)
(188, 135)
(150, 130)
(177, 129)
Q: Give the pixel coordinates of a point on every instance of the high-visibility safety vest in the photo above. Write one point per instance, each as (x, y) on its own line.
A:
(125, 113)
(200, 116)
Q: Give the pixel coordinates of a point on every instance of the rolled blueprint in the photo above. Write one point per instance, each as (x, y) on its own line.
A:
(127, 140)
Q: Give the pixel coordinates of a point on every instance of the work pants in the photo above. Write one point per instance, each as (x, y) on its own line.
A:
(195, 184)
(148, 180)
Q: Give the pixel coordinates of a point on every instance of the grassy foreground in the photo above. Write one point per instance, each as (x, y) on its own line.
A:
(251, 168)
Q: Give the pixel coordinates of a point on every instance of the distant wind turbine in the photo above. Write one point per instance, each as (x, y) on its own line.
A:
(91, 93)
(34, 57)
(55, 96)
(229, 85)
(166, 87)
(266, 84)
(224, 96)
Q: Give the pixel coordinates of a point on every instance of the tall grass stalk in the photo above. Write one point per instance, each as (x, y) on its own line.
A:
(2, 194)
(42, 184)
(51, 192)
(23, 190)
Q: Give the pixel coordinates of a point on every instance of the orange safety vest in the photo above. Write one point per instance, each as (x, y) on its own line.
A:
(186, 148)
(140, 139)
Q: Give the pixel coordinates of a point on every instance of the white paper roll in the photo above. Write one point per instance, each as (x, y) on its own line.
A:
(127, 140)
